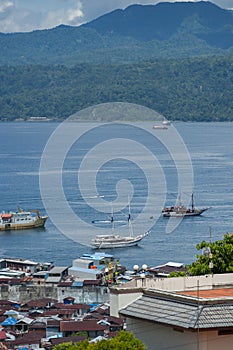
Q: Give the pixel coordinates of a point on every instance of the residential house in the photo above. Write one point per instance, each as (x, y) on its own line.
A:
(57, 274)
(24, 265)
(92, 328)
(182, 313)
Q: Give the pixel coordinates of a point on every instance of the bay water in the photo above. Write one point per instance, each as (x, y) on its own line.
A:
(210, 146)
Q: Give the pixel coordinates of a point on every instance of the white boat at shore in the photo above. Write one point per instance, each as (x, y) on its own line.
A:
(21, 220)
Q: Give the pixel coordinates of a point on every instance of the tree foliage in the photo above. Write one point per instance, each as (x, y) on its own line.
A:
(219, 253)
(194, 89)
(123, 341)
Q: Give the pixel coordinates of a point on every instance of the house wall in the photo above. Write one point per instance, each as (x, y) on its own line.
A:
(157, 337)
(119, 301)
(186, 283)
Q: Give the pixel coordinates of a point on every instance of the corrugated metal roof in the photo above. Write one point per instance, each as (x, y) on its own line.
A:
(180, 313)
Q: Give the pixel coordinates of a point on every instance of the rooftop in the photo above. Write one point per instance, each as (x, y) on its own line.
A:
(183, 311)
(210, 293)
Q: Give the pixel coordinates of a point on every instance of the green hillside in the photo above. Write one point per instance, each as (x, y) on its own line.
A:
(198, 89)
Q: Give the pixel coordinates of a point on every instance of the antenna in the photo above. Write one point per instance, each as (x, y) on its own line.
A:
(198, 314)
(211, 265)
(112, 219)
(129, 220)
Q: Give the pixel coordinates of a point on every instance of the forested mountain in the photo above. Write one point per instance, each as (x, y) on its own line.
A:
(165, 30)
(197, 89)
(175, 58)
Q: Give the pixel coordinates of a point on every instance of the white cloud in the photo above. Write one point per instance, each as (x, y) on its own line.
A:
(69, 16)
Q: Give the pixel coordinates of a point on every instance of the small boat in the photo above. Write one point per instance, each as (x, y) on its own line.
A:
(21, 220)
(163, 127)
(182, 211)
(166, 122)
(116, 241)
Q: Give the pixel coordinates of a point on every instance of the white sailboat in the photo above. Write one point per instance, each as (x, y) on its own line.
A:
(117, 241)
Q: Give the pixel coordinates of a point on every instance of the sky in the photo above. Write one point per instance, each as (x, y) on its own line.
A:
(29, 15)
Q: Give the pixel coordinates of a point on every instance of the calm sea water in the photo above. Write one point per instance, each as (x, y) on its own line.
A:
(209, 145)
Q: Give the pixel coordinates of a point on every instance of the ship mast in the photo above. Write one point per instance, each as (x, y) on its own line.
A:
(192, 202)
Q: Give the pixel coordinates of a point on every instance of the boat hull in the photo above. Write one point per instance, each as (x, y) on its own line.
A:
(111, 242)
(174, 214)
(38, 223)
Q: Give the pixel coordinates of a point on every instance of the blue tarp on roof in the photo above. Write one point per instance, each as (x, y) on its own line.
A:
(77, 284)
(10, 321)
(93, 306)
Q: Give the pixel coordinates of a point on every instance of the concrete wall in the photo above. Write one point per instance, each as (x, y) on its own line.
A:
(86, 295)
(90, 294)
(179, 284)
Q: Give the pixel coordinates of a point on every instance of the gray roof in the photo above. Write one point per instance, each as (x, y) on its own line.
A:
(58, 269)
(186, 313)
(53, 279)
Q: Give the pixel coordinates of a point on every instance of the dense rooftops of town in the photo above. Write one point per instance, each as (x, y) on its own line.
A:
(42, 305)
(45, 322)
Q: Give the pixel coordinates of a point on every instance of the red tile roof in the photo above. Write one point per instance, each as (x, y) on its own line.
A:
(210, 293)
(2, 335)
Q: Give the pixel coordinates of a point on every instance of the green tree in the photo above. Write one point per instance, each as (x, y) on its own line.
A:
(218, 253)
(177, 274)
(123, 341)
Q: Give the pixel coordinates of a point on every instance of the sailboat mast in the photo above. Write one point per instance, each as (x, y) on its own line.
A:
(129, 222)
(112, 220)
(192, 202)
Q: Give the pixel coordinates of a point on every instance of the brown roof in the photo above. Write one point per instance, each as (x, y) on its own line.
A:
(76, 326)
(6, 302)
(2, 318)
(210, 293)
(73, 339)
(103, 310)
(40, 302)
(28, 338)
(71, 306)
(91, 282)
(65, 284)
(53, 323)
(10, 280)
(6, 308)
(37, 325)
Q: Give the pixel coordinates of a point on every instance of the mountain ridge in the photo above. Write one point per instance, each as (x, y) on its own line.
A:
(180, 29)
